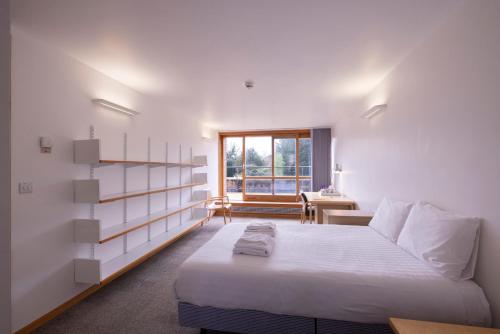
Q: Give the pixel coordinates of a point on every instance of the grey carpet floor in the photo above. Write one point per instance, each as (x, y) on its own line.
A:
(140, 301)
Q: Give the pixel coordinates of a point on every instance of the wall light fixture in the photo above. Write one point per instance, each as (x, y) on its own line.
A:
(116, 107)
(373, 111)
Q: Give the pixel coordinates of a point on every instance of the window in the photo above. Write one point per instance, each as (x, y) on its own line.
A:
(258, 156)
(258, 186)
(258, 162)
(305, 185)
(305, 164)
(266, 165)
(234, 166)
(285, 166)
(285, 186)
(284, 156)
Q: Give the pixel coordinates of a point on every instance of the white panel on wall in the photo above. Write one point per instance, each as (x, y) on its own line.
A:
(200, 160)
(201, 195)
(200, 178)
(87, 151)
(87, 271)
(87, 230)
(86, 191)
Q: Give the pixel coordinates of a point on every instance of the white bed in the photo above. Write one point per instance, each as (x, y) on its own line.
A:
(336, 272)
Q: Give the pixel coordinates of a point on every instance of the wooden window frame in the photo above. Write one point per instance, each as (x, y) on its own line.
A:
(274, 134)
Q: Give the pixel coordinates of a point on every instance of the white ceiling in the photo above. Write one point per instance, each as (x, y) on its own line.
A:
(308, 58)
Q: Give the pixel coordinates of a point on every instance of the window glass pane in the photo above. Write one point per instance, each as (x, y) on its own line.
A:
(258, 156)
(253, 186)
(234, 185)
(304, 185)
(284, 187)
(284, 157)
(305, 157)
(234, 164)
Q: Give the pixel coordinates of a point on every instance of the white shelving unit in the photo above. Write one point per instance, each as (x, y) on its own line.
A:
(88, 151)
(88, 191)
(93, 271)
(90, 230)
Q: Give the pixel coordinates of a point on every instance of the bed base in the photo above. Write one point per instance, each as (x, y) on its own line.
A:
(258, 322)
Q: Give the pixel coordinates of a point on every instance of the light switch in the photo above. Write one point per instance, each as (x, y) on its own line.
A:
(25, 187)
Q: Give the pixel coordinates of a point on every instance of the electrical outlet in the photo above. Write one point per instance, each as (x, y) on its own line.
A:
(25, 187)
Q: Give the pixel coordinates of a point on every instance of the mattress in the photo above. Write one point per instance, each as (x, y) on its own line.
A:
(348, 273)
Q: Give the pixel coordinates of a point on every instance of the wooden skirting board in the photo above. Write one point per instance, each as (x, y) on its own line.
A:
(264, 213)
(261, 214)
(78, 298)
(267, 204)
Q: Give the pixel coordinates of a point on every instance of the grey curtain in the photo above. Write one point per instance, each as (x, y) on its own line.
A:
(321, 158)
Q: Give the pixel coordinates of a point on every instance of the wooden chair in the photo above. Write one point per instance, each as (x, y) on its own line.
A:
(307, 209)
(219, 203)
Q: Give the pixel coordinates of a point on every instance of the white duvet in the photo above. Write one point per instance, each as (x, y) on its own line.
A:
(327, 271)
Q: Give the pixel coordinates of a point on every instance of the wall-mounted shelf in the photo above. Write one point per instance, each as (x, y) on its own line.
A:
(93, 271)
(88, 191)
(91, 231)
(88, 151)
(188, 211)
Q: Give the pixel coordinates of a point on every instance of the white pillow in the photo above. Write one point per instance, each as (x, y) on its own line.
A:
(469, 270)
(390, 218)
(445, 241)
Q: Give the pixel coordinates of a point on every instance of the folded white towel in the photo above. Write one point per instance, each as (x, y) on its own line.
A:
(254, 240)
(258, 244)
(261, 226)
(253, 252)
(271, 233)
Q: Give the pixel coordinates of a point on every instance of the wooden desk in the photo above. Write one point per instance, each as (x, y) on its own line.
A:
(328, 202)
(404, 326)
(347, 217)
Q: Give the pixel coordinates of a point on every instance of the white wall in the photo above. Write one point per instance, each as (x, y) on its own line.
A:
(5, 167)
(438, 140)
(51, 95)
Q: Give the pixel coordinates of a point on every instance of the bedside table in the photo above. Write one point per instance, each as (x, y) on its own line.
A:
(347, 217)
(405, 326)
